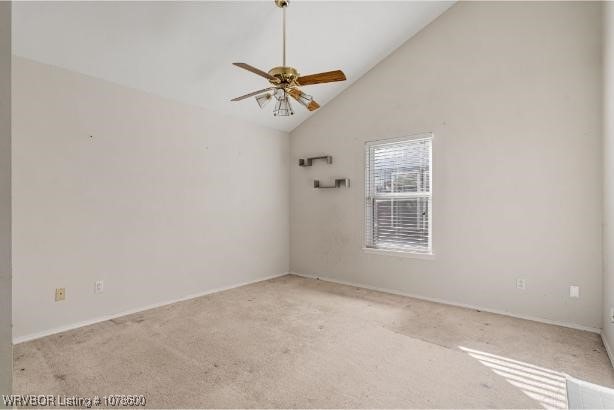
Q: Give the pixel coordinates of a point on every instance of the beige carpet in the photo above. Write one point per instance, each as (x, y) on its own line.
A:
(295, 342)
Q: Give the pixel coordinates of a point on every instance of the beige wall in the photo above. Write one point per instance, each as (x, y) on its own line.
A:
(6, 347)
(512, 92)
(163, 201)
(608, 247)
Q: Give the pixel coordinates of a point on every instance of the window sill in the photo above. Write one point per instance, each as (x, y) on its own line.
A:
(400, 254)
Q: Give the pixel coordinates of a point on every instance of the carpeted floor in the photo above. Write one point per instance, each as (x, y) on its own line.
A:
(303, 343)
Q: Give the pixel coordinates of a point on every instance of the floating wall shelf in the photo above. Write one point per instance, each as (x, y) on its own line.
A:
(307, 162)
(338, 183)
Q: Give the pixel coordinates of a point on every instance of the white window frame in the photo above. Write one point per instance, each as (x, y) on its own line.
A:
(370, 197)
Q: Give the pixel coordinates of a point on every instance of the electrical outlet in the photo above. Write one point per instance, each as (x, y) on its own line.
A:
(574, 291)
(99, 286)
(60, 294)
(612, 315)
(521, 284)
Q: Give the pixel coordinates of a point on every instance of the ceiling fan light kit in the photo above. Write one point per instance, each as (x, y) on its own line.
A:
(283, 107)
(285, 80)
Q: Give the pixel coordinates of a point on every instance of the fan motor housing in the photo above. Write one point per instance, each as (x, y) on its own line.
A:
(286, 75)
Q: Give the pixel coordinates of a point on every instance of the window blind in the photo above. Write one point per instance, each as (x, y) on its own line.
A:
(398, 195)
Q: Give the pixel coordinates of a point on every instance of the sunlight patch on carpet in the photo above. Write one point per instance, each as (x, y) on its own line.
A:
(545, 386)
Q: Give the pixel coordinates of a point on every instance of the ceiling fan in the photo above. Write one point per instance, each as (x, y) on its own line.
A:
(285, 81)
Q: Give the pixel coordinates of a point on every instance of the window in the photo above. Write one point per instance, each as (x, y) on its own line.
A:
(398, 195)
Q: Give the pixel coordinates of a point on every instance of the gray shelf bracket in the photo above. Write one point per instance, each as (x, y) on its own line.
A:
(339, 182)
(307, 162)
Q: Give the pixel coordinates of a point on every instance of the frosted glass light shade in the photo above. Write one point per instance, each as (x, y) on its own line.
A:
(264, 99)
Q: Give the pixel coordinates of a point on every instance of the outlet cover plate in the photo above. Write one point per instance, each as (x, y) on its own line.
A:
(99, 286)
(521, 284)
(60, 294)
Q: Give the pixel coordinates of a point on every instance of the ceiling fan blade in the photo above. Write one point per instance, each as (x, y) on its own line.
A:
(320, 78)
(303, 98)
(256, 71)
(313, 106)
(252, 94)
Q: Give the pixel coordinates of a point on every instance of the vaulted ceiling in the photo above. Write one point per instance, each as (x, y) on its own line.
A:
(184, 50)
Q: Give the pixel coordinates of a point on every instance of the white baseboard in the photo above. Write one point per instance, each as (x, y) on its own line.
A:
(446, 302)
(608, 348)
(71, 326)
(48, 332)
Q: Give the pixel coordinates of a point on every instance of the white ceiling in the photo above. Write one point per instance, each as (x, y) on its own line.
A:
(184, 50)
